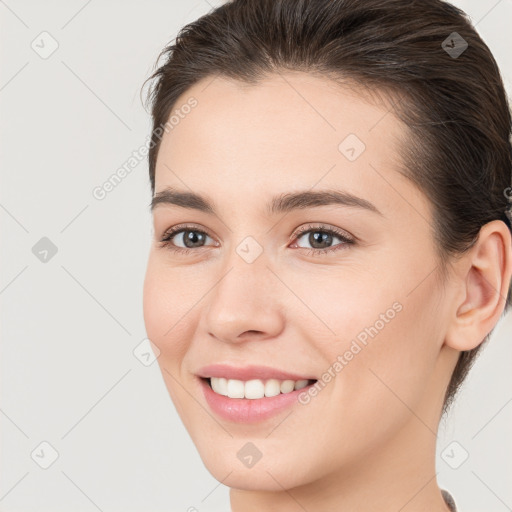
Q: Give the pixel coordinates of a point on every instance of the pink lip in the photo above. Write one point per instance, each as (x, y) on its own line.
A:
(243, 410)
(248, 372)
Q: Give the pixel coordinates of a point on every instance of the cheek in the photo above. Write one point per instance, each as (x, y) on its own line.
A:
(165, 310)
(165, 318)
(153, 300)
(386, 365)
(378, 340)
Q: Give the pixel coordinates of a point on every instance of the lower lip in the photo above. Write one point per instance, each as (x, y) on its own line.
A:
(244, 410)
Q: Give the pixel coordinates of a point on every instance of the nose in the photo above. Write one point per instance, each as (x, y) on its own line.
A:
(246, 303)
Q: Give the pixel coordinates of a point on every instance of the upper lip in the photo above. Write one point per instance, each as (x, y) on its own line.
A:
(248, 372)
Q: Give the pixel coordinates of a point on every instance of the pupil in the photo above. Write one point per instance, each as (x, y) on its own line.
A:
(324, 237)
(193, 237)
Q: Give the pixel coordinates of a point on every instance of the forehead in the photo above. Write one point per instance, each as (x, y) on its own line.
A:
(289, 129)
(285, 104)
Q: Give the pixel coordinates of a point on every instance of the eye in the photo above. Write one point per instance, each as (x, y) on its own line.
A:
(189, 236)
(322, 236)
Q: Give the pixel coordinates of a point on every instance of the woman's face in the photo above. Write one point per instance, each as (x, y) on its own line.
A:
(269, 294)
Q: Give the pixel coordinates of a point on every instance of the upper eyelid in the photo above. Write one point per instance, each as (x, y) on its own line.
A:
(323, 227)
(180, 228)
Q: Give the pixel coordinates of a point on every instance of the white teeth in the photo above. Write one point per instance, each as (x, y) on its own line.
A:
(301, 384)
(272, 387)
(235, 388)
(220, 386)
(287, 386)
(255, 388)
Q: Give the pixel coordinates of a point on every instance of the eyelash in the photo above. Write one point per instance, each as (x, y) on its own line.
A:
(171, 233)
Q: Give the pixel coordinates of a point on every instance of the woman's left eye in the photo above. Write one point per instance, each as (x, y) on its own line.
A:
(192, 238)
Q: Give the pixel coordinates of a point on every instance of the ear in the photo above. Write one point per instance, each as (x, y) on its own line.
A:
(483, 280)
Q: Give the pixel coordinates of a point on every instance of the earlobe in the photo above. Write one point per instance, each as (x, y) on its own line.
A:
(484, 279)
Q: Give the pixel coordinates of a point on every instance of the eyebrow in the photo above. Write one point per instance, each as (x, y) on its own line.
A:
(282, 203)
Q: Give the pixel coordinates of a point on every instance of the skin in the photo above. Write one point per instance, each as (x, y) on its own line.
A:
(367, 440)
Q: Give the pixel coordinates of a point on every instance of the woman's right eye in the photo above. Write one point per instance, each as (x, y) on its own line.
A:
(190, 237)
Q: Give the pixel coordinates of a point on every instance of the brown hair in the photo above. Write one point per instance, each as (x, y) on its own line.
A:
(459, 150)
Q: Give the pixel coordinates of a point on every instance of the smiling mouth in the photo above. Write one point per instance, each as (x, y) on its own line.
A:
(255, 388)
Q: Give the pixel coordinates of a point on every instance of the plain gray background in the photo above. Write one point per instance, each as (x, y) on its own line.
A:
(70, 324)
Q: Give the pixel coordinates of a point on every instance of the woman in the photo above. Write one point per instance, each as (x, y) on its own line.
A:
(332, 243)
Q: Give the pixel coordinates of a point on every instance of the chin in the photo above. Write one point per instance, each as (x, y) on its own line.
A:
(271, 472)
(254, 479)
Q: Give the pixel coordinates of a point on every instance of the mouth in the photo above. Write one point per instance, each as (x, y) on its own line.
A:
(255, 389)
(251, 394)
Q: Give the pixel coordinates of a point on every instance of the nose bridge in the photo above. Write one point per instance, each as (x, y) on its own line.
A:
(246, 275)
(245, 297)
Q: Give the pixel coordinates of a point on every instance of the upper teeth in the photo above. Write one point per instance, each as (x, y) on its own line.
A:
(256, 388)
